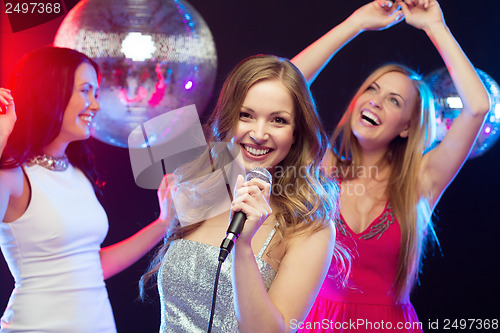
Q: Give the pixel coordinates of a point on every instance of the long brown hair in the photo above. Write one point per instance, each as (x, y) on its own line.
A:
(309, 204)
(42, 85)
(404, 157)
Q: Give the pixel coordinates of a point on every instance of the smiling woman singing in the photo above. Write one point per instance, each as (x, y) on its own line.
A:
(266, 112)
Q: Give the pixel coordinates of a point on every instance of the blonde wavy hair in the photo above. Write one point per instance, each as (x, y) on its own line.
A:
(310, 202)
(404, 158)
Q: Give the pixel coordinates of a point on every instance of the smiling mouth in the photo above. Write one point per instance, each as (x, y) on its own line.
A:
(86, 117)
(370, 118)
(256, 151)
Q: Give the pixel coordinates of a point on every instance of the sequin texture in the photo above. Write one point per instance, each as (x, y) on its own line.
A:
(186, 280)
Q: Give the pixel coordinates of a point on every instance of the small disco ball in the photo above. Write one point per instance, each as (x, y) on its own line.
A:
(449, 105)
(154, 55)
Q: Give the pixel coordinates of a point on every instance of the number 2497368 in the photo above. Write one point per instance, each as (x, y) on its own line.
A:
(33, 8)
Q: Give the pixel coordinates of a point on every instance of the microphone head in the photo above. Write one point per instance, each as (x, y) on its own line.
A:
(260, 173)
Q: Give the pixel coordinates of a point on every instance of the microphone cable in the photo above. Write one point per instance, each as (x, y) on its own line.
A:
(214, 297)
(233, 233)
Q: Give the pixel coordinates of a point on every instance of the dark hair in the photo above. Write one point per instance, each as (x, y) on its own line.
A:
(42, 86)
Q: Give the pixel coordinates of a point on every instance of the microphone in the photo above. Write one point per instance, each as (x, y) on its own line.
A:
(239, 218)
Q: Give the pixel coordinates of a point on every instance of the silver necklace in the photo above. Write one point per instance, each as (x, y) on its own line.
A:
(50, 162)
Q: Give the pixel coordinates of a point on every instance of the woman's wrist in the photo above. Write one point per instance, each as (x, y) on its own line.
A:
(436, 29)
(3, 142)
(354, 25)
(163, 223)
(242, 248)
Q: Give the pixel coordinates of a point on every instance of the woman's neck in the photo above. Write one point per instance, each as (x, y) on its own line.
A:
(54, 149)
(369, 158)
(376, 163)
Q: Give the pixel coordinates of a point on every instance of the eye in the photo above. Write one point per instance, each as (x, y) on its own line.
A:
(394, 101)
(371, 88)
(245, 115)
(281, 121)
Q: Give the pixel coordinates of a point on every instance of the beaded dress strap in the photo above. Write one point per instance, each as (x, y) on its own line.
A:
(268, 240)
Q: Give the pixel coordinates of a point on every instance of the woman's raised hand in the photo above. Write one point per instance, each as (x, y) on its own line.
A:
(422, 14)
(378, 15)
(165, 198)
(7, 113)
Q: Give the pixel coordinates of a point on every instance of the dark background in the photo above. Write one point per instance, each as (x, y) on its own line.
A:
(462, 283)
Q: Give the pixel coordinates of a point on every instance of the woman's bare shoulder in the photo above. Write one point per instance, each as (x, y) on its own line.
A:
(329, 162)
(11, 181)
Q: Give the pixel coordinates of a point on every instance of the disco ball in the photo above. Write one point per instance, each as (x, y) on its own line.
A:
(449, 105)
(154, 55)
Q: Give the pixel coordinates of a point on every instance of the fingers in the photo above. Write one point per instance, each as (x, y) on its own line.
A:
(404, 7)
(253, 193)
(6, 93)
(386, 4)
(169, 183)
(6, 101)
(165, 196)
(394, 16)
(398, 16)
(250, 204)
(162, 188)
(255, 209)
(415, 3)
(263, 186)
(239, 184)
(252, 198)
(378, 15)
(253, 186)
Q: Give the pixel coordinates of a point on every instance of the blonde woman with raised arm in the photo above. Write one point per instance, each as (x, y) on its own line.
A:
(380, 146)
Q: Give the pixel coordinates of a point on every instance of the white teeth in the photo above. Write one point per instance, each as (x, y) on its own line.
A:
(371, 116)
(256, 152)
(87, 117)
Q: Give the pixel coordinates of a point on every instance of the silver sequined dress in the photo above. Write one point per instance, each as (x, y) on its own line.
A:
(186, 281)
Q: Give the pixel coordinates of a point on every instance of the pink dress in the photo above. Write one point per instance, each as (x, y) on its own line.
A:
(368, 303)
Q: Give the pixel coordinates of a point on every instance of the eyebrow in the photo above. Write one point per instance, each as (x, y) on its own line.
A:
(280, 112)
(272, 113)
(85, 83)
(391, 93)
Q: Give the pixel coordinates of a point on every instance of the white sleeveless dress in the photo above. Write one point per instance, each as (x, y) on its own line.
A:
(52, 252)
